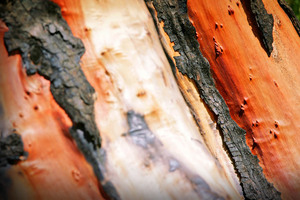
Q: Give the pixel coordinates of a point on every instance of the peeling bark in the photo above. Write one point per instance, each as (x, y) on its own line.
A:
(192, 63)
(260, 91)
(264, 22)
(288, 10)
(43, 38)
(167, 115)
(149, 138)
(47, 46)
(11, 150)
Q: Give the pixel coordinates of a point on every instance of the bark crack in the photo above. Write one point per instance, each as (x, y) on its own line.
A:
(192, 63)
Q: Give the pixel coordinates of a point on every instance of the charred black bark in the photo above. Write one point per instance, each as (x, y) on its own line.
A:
(11, 150)
(290, 13)
(192, 63)
(264, 22)
(11, 153)
(45, 42)
(39, 33)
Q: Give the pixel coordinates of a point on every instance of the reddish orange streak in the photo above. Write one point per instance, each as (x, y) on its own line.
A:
(55, 168)
(262, 93)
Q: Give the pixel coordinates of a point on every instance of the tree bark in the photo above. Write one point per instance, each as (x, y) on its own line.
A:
(151, 99)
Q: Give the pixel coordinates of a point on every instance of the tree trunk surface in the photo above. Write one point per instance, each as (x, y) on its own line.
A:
(154, 99)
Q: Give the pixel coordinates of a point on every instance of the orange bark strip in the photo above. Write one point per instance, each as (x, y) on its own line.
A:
(261, 92)
(54, 169)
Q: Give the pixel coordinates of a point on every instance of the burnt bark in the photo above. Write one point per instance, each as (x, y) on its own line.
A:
(192, 63)
(290, 13)
(41, 36)
(263, 21)
(11, 150)
(47, 46)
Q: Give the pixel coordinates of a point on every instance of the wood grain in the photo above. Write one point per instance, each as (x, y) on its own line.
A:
(125, 63)
(260, 91)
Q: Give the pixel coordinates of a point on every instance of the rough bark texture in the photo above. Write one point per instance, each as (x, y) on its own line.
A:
(262, 92)
(192, 63)
(43, 38)
(284, 5)
(11, 150)
(47, 46)
(129, 71)
(146, 127)
(264, 22)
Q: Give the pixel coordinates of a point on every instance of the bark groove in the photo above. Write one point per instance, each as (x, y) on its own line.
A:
(192, 63)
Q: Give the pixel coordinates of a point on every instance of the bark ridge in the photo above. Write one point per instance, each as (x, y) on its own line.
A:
(192, 63)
